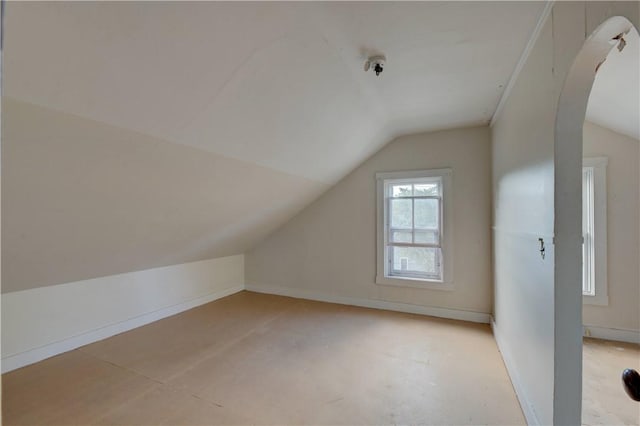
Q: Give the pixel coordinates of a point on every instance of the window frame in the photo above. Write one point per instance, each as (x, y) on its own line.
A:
(383, 275)
(598, 218)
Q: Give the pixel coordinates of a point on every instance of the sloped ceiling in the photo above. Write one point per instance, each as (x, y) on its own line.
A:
(614, 101)
(271, 98)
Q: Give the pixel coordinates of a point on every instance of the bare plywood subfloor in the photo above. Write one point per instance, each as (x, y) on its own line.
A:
(252, 358)
(604, 401)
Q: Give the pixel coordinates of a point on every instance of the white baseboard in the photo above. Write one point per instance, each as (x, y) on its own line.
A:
(526, 407)
(22, 359)
(616, 334)
(456, 314)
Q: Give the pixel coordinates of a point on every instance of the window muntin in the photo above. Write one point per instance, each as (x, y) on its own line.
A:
(413, 228)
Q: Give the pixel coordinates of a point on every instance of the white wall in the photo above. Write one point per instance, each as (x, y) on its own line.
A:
(537, 311)
(523, 212)
(623, 221)
(1, 124)
(42, 322)
(582, 40)
(330, 248)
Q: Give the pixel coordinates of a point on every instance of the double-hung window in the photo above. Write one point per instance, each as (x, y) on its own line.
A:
(594, 231)
(413, 231)
(588, 231)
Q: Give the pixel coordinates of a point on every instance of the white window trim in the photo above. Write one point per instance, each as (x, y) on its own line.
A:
(599, 165)
(447, 231)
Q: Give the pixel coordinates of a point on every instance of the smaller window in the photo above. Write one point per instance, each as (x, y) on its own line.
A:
(588, 231)
(594, 231)
(414, 228)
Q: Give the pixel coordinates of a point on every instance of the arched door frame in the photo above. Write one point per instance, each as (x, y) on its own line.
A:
(570, 115)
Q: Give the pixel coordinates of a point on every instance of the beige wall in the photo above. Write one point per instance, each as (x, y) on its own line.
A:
(623, 220)
(330, 248)
(82, 199)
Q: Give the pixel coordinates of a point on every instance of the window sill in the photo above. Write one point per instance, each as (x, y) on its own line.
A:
(595, 300)
(415, 283)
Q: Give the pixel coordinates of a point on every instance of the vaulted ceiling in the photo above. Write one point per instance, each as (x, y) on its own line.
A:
(140, 134)
(614, 101)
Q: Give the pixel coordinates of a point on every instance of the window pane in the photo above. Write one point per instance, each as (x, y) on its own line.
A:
(426, 237)
(427, 213)
(423, 189)
(401, 190)
(401, 214)
(587, 277)
(401, 237)
(415, 260)
(588, 228)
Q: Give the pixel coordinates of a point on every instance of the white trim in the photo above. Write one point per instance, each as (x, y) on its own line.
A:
(588, 232)
(22, 359)
(523, 59)
(599, 166)
(521, 234)
(446, 220)
(415, 283)
(616, 334)
(299, 293)
(527, 409)
(414, 174)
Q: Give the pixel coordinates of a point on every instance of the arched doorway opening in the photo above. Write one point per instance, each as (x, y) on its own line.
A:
(568, 153)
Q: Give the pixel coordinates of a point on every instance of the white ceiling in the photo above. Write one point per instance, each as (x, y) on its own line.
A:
(277, 84)
(144, 134)
(614, 101)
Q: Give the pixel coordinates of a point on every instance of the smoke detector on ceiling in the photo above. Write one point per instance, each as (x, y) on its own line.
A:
(376, 63)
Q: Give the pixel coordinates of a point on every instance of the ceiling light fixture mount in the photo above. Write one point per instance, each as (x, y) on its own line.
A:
(376, 63)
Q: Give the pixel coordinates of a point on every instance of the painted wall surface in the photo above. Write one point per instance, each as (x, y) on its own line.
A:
(582, 39)
(537, 317)
(330, 247)
(45, 319)
(82, 199)
(523, 212)
(623, 221)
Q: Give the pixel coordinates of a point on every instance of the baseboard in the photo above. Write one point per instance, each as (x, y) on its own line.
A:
(616, 334)
(456, 314)
(526, 407)
(22, 359)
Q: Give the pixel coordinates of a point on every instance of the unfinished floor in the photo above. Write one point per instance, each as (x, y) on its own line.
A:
(252, 358)
(604, 401)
